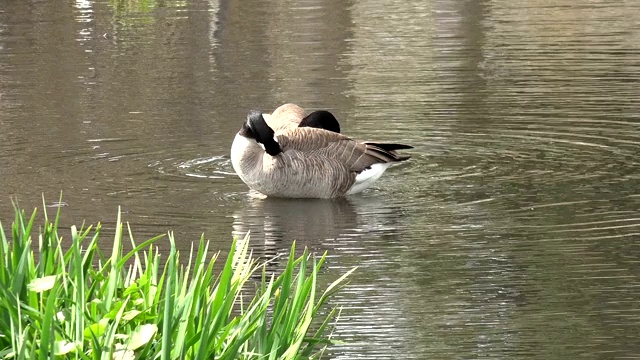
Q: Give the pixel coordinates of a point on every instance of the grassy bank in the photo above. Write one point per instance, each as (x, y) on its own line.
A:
(75, 301)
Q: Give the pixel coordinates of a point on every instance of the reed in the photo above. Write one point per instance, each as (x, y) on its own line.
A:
(76, 302)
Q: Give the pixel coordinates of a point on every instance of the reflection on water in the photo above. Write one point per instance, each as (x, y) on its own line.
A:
(513, 231)
(317, 223)
(277, 222)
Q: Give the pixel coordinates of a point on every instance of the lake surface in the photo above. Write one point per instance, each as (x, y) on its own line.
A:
(514, 231)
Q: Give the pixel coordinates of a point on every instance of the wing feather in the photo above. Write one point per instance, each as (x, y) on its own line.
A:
(319, 144)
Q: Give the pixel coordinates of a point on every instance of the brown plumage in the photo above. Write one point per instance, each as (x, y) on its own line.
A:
(357, 156)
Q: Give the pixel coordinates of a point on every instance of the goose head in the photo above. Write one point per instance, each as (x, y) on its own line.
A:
(256, 128)
(321, 119)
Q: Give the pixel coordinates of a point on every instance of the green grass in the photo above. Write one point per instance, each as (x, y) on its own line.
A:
(76, 302)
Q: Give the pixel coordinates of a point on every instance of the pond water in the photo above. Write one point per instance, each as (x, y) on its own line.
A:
(514, 231)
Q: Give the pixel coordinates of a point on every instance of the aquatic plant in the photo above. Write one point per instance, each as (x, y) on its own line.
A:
(67, 299)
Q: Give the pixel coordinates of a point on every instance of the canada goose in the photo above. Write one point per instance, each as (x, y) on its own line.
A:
(307, 162)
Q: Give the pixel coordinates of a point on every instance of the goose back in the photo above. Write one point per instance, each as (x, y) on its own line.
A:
(356, 156)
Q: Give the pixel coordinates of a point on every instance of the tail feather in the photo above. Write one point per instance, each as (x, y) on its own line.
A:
(387, 153)
(390, 147)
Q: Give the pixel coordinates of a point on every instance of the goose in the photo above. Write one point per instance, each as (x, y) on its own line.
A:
(308, 161)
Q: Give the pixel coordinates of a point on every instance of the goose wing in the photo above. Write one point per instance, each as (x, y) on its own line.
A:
(320, 143)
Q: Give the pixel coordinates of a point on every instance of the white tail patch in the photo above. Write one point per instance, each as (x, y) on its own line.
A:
(368, 177)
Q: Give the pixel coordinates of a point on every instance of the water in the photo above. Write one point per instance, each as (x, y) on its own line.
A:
(513, 232)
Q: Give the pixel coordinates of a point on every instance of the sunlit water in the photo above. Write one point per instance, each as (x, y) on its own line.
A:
(514, 232)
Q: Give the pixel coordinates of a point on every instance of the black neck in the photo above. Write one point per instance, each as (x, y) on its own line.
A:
(263, 133)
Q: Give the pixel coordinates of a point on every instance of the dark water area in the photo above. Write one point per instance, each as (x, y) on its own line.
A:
(514, 231)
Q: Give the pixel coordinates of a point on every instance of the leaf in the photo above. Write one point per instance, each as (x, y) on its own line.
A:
(141, 336)
(114, 310)
(63, 347)
(42, 284)
(96, 329)
(131, 314)
(122, 353)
